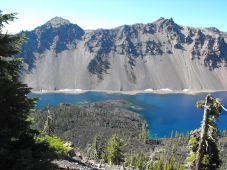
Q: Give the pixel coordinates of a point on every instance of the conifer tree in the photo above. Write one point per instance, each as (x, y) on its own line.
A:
(144, 134)
(15, 106)
(49, 124)
(204, 141)
(96, 150)
(115, 150)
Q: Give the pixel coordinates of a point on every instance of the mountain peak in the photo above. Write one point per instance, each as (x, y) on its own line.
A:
(163, 20)
(167, 24)
(57, 21)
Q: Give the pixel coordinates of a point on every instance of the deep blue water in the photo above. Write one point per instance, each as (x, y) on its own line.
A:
(164, 113)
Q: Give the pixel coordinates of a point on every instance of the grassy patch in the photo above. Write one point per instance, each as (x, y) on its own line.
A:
(54, 143)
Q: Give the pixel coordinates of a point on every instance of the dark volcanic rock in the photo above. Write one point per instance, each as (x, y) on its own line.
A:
(81, 123)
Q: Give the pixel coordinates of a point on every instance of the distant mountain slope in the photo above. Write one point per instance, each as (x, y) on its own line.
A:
(162, 54)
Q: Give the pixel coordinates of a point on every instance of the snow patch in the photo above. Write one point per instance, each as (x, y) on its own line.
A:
(70, 90)
(148, 90)
(166, 89)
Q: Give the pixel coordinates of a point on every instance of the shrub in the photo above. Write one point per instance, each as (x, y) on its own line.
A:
(54, 143)
(115, 150)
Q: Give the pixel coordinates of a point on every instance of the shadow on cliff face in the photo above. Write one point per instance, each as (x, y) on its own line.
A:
(49, 37)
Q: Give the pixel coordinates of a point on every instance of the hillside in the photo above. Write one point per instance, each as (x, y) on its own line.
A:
(81, 123)
(162, 54)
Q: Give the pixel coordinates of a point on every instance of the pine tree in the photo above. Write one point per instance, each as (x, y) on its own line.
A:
(97, 150)
(203, 142)
(115, 150)
(49, 124)
(15, 106)
(141, 161)
(20, 146)
(145, 133)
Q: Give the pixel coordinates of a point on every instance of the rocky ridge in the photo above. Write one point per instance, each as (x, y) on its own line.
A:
(162, 54)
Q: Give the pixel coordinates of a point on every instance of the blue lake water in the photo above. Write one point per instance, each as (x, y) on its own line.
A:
(164, 113)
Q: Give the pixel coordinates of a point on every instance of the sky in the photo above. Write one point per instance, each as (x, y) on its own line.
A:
(93, 14)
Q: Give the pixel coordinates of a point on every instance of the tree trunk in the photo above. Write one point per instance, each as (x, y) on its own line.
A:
(203, 132)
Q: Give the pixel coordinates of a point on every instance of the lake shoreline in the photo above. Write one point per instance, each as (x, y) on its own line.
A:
(163, 112)
(147, 91)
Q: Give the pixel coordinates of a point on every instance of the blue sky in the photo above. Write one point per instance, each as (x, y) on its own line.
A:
(92, 14)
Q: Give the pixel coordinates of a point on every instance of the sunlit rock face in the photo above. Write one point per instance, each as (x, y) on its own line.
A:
(158, 55)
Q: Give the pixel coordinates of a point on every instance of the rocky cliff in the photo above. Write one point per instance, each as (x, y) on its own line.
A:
(162, 54)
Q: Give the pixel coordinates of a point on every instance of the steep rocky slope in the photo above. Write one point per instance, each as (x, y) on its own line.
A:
(162, 54)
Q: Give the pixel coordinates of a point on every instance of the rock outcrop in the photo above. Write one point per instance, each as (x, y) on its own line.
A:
(158, 55)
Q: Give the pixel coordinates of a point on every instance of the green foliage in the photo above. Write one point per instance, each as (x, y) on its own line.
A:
(15, 106)
(54, 143)
(210, 159)
(49, 124)
(157, 165)
(211, 154)
(161, 165)
(97, 149)
(115, 153)
(192, 157)
(130, 160)
(194, 143)
(93, 154)
(140, 162)
(206, 160)
(9, 44)
(200, 104)
(145, 133)
(166, 160)
(18, 149)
